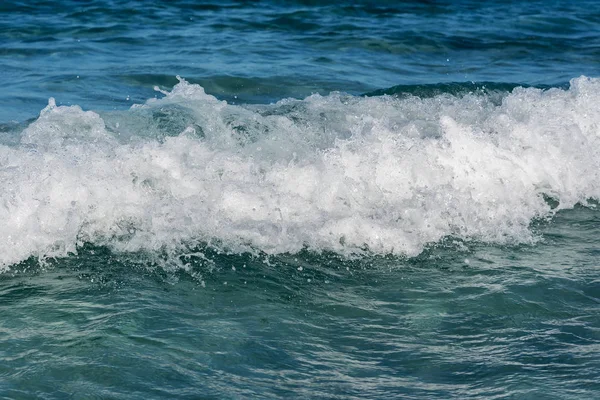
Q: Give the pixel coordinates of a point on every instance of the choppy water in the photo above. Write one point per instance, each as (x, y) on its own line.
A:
(268, 200)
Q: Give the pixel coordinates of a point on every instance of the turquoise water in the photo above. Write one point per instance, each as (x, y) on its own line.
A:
(267, 200)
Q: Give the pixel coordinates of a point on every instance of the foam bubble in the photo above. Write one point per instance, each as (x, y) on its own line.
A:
(338, 173)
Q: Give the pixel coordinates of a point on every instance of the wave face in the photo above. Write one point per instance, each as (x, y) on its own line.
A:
(339, 173)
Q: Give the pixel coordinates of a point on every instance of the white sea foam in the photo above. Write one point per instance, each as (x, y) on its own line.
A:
(339, 173)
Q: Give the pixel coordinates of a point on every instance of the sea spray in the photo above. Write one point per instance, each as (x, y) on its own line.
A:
(341, 173)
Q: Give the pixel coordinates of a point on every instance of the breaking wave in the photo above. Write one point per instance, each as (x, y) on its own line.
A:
(339, 173)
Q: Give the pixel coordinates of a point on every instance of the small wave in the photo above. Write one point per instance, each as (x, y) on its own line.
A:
(337, 173)
(453, 88)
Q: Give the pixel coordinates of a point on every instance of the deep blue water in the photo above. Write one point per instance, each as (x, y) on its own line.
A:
(272, 199)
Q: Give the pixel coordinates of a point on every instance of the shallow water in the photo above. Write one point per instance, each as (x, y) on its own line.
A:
(267, 200)
(488, 322)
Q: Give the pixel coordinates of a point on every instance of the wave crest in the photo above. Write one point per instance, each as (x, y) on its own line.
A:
(337, 173)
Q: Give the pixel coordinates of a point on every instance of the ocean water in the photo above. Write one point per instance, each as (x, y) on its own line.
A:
(356, 200)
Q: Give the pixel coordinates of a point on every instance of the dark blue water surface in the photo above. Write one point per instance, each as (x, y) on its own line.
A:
(429, 232)
(109, 54)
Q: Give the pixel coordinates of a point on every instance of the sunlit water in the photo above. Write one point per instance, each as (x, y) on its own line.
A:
(259, 200)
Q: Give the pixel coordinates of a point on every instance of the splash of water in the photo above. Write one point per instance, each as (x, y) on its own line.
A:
(338, 173)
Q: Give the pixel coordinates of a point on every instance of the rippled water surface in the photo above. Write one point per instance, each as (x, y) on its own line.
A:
(107, 54)
(491, 322)
(360, 200)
